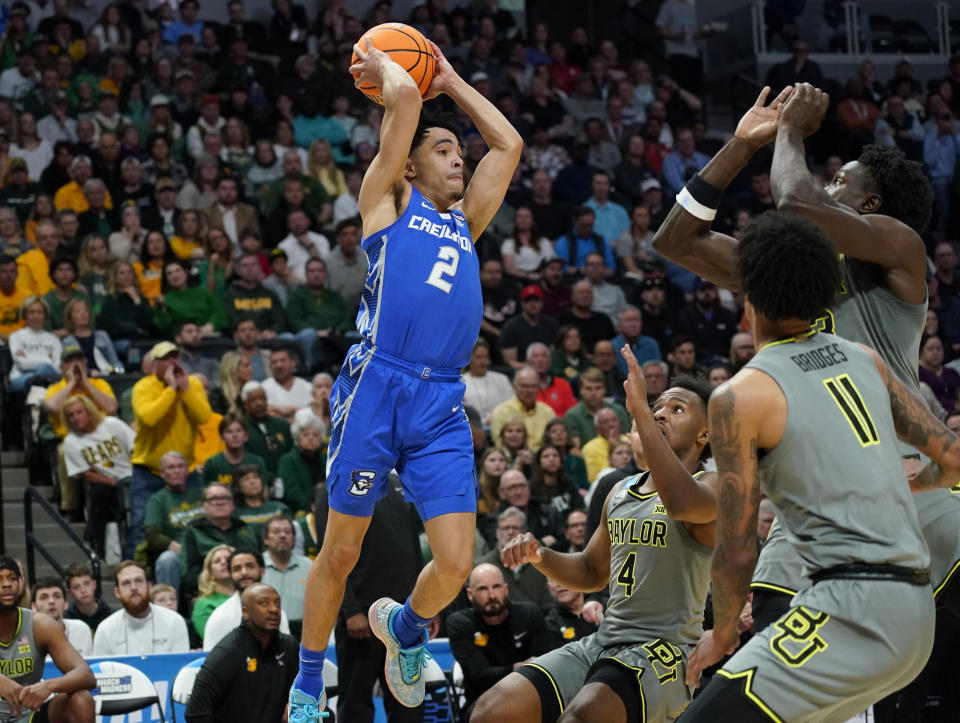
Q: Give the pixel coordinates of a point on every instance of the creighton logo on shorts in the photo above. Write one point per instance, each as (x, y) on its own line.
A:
(361, 482)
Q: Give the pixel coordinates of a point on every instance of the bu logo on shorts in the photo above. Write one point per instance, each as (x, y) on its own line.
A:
(361, 482)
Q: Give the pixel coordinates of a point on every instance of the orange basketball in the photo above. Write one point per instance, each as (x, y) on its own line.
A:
(408, 48)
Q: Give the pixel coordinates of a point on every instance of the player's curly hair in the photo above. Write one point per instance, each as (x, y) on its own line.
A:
(904, 189)
(701, 387)
(787, 267)
(433, 116)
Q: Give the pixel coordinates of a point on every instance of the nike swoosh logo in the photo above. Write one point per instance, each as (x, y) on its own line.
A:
(455, 408)
(427, 205)
(518, 636)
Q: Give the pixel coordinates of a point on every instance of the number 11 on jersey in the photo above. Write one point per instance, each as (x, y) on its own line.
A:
(449, 258)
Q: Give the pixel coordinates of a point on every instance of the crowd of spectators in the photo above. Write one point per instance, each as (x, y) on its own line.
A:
(180, 196)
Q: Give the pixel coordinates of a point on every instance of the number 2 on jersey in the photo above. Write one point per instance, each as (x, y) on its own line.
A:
(446, 266)
(847, 397)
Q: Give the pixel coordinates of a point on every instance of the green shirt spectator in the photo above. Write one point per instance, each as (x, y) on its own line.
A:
(220, 469)
(269, 437)
(168, 515)
(313, 306)
(182, 303)
(218, 526)
(579, 419)
(203, 607)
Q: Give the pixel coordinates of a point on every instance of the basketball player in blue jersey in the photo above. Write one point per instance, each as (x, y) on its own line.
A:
(398, 402)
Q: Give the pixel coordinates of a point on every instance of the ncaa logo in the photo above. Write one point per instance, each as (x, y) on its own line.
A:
(361, 482)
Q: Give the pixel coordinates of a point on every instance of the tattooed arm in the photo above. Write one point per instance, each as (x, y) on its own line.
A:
(737, 410)
(917, 426)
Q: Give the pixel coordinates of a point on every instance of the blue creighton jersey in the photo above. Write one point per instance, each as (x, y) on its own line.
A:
(422, 299)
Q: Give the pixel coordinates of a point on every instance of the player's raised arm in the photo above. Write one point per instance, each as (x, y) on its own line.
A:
(402, 103)
(486, 190)
(685, 236)
(917, 426)
(734, 419)
(587, 571)
(686, 499)
(869, 228)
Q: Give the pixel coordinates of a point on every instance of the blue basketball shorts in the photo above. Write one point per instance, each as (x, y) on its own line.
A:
(387, 413)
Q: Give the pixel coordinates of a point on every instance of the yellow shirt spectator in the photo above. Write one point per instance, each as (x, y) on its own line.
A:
(208, 442)
(10, 319)
(167, 419)
(33, 272)
(534, 419)
(150, 278)
(71, 196)
(185, 249)
(56, 418)
(596, 454)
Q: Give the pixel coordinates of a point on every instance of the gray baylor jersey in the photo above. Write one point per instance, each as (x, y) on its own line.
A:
(658, 573)
(867, 312)
(21, 659)
(836, 475)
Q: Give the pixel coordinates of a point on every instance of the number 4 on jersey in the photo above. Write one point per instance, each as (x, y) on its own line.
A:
(628, 574)
(446, 266)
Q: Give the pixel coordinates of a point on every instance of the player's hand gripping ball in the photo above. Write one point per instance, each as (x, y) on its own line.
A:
(407, 47)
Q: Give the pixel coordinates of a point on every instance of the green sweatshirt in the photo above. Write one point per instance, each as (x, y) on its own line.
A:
(204, 607)
(201, 537)
(167, 516)
(195, 303)
(219, 469)
(269, 438)
(298, 481)
(308, 310)
(259, 302)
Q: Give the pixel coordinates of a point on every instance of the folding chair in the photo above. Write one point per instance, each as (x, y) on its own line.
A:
(183, 685)
(121, 688)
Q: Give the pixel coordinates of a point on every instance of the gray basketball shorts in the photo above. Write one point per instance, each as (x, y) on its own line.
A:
(844, 645)
(659, 665)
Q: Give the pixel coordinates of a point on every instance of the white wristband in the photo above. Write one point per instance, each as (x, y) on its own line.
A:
(694, 207)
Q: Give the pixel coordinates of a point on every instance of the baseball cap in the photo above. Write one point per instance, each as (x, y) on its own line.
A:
(552, 260)
(59, 96)
(164, 182)
(650, 183)
(531, 290)
(184, 73)
(278, 252)
(478, 77)
(71, 350)
(211, 98)
(161, 349)
(159, 99)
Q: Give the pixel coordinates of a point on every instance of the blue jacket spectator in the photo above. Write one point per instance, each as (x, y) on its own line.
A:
(676, 166)
(644, 348)
(575, 246)
(186, 25)
(611, 219)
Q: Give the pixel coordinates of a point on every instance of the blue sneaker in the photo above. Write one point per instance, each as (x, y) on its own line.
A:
(404, 666)
(305, 708)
